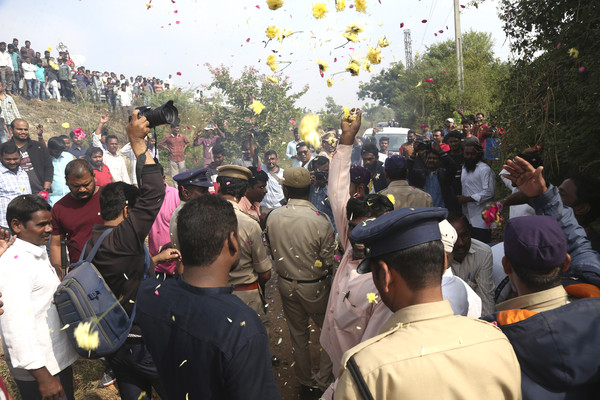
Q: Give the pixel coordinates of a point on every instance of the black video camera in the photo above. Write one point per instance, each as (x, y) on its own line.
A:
(422, 144)
(165, 114)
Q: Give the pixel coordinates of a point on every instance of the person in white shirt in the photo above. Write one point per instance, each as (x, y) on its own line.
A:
(29, 76)
(112, 158)
(274, 196)
(126, 101)
(169, 81)
(6, 67)
(477, 180)
(291, 152)
(38, 352)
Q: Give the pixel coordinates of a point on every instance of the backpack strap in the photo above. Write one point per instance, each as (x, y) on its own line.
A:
(92, 254)
(146, 269)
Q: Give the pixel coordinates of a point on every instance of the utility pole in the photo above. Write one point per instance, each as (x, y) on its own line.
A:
(407, 49)
(459, 54)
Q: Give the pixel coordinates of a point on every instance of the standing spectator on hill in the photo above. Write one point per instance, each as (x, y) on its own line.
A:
(111, 94)
(97, 86)
(95, 156)
(274, 197)
(37, 350)
(126, 101)
(6, 67)
(27, 51)
(40, 84)
(9, 109)
(169, 81)
(29, 76)
(60, 159)
(64, 78)
(52, 80)
(477, 180)
(208, 141)
(112, 158)
(291, 152)
(175, 144)
(17, 72)
(35, 159)
(13, 179)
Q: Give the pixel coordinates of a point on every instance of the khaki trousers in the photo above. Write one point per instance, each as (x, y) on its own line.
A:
(253, 300)
(177, 167)
(300, 302)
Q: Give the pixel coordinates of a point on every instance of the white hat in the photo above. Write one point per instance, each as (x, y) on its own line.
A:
(450, 120)
(449, 235)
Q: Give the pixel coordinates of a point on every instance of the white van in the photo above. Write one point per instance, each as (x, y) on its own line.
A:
(398, 137)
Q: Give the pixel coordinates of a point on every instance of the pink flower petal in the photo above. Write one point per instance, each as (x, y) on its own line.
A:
(177, 22)
(558, 45)
(156, 292)
(429, 80)
(443, 72)
(424, 21)
(179, 73)
(581, 69)
(401, 24)
(257, 6)
(461, 6)
(248, 40)
(175, 12)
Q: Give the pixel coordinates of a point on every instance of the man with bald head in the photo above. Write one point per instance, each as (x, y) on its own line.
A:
(35, 159)
(74, 215)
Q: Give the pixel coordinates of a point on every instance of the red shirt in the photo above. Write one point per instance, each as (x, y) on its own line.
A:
(75, 218)
(103, 177)
(175, 145)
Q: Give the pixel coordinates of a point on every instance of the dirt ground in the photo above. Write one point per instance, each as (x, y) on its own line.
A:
(87, 373)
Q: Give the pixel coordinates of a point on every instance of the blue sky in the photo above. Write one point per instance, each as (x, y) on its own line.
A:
(126, 37)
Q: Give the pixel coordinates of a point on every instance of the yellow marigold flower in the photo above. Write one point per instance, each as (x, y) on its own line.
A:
(361, 5)
(374, 55)
(372, 297)
(274, 66)
(318, 264)
(323, 65)
(366, 65)
(49, 48)
(340, 5)
(350, 116)
(272, 63)
(274, 4)
(383, 42)
(352, 32)
(573, 52)
(308, 130)
(391, 198)
(257, 107)
(272, 79)
(66, 125)
(271, 31)
(354, 69)
(329, 82)
(85, 339)
(319, 10)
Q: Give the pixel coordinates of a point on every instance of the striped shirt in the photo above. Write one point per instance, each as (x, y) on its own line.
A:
(10, 112)
(11, 185)
(176, 146)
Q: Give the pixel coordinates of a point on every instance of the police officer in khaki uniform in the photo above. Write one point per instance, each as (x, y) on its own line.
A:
(423, 350)
(254, 268)
(405, 195)
(302, 243)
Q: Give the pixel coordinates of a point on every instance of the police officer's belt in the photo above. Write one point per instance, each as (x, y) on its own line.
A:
(303, 281)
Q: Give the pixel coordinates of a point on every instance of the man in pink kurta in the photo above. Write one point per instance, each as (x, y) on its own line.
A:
(159, 233)
(350, 318)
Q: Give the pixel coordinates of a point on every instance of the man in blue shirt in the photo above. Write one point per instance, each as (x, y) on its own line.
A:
(206, 343)
(60, 159)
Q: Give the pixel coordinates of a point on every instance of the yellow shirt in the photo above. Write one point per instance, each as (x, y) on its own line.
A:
(302, 240)
(426, 352)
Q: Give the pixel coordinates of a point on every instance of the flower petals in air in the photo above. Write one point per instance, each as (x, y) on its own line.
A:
(429, 80)
(401, 24)
(274, 4)
(424, 21)
(319, 10)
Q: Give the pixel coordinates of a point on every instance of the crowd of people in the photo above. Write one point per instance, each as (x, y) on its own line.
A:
(387, 251)
(25, 72)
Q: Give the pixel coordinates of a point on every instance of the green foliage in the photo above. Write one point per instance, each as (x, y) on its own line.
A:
(331, 115)
(416, 101)
(551, 98)
(230, 109)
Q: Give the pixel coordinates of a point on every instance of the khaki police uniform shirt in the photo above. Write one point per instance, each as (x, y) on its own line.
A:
(407, 196)
(253, 253)
(302, 240)
(426, 352)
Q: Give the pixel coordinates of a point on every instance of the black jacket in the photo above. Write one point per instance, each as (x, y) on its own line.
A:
(40, 159)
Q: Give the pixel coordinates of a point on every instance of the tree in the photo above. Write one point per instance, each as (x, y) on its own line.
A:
(551, 96)
(231, 110)
(428, 92)
(331, 115)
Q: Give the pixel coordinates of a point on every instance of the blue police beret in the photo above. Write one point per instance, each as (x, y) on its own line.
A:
(196, 177)
(395, 162)
(535, 242)
(397, 230)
